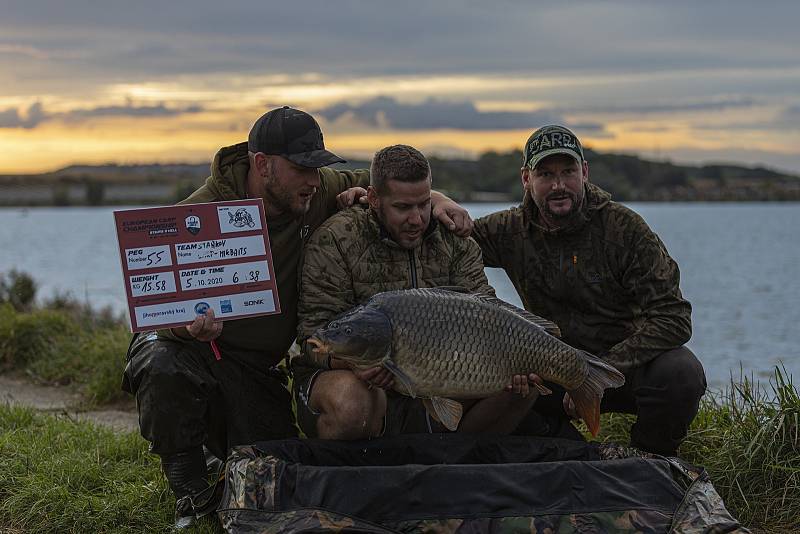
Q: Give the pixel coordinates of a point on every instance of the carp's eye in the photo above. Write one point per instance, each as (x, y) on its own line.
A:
(348, 330)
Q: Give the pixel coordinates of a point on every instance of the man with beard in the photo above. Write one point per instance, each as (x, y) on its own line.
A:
(596, 269)
(191, 392)
(390, 245)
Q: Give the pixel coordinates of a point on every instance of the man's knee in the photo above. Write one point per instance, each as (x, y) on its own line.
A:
(348, 408)
(680, 374)
(160, 364)
(172, 390)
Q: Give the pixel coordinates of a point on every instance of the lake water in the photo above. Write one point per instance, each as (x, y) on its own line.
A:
(739, 269)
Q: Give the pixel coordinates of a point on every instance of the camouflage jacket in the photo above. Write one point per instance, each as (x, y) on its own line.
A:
(607, 280)
(351, 258)
(266, 339)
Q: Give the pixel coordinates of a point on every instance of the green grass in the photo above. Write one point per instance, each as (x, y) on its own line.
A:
(57, 475)
(65, 347)
(748, 438)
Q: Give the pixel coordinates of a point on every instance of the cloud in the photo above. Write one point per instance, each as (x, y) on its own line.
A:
(719, 103)
(22, 50)
(12, 118)
(129, 110)
(35, 115)
(785, 119)
(356, 38)
(436, 114)
(791, 114)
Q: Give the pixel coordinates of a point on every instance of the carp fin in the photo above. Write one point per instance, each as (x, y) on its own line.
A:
(548, 326)
(402, 377)
(542, 389)
(600, 375)
(446, 411)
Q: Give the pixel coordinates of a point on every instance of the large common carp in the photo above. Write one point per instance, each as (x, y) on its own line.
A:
(443, 344)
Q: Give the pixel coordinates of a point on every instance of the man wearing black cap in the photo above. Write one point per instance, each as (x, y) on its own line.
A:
(596, 269)
(186, 397)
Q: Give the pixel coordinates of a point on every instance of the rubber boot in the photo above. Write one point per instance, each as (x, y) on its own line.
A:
(186, 475)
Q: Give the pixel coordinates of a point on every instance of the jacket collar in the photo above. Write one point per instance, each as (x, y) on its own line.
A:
(229, 172)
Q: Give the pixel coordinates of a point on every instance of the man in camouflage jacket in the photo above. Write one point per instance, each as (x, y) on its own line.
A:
(359, 252)
(187, 397)
(596, 269)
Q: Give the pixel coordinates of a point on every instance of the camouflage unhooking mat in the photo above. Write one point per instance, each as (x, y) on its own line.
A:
(451, 483)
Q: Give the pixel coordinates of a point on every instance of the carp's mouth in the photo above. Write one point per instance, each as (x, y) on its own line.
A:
(319, 346)
(322, 351)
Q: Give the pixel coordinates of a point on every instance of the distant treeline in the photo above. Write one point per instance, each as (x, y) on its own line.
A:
(494, 176)
(625, 177)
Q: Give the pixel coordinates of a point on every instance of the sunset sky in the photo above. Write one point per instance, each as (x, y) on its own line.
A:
(129, 82)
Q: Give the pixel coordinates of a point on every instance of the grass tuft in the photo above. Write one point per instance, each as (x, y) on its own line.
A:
(57, 347)
(57, 475)
(746, 436)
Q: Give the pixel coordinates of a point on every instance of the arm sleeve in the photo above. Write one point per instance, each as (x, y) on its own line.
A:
(336, 182)
(653, 278)
(485, 232)
(326, 288)
(466, 269)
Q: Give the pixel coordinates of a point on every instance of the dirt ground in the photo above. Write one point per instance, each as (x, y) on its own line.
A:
(58, 400)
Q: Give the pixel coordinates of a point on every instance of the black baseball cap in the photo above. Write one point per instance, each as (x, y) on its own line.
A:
(293, 134)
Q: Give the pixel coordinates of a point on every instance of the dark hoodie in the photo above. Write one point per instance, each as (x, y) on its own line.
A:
(606, 279)
(263, 341)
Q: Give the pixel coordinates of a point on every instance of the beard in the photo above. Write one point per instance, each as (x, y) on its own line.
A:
(285, 203)
(575, 205)
(558, 219)
(283, 200)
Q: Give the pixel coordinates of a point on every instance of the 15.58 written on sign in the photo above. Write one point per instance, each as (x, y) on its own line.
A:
(179, 261)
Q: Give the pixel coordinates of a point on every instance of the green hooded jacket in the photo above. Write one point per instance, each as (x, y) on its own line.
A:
(264, 341)
(606, 280)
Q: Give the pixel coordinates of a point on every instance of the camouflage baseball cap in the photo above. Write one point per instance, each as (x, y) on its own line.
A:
(293, 134)
(549, 140)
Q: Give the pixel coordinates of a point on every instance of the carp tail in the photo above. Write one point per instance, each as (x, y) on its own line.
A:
(588, 395)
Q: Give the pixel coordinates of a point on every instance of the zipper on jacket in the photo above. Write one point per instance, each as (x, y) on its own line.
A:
(413, 269)
(563, 278)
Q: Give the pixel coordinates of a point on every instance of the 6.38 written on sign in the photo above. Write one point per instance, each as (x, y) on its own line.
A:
(224, 275)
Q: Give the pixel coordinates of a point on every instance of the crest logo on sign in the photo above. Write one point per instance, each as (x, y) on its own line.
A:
(193, 224)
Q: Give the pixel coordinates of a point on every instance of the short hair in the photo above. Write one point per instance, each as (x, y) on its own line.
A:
(398, 162)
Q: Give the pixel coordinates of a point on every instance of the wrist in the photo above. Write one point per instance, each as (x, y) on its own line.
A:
(175, 332)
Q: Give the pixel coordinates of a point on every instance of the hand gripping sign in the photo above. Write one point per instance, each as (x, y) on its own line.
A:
(179, 261)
